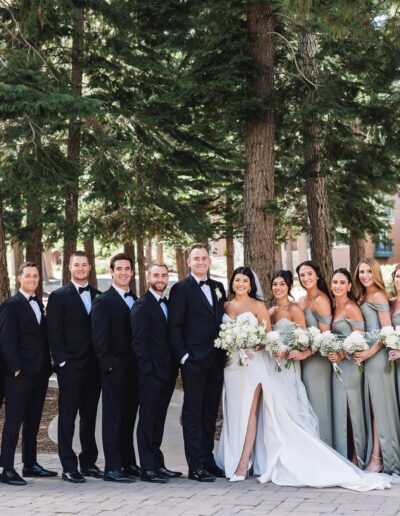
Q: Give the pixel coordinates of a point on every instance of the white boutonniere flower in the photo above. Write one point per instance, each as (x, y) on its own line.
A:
(218, 293)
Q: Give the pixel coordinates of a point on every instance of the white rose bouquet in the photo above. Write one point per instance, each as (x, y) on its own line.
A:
(239, 335)
(275, 344)
(390, 338)
(327, 342)
(355, 342)
(314, 335)
(298, 340)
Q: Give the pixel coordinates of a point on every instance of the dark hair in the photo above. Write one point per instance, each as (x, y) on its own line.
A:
(25, 265)
(346, 273)
(287, 277)
(321, 283)
(120, 256)
(78, 253)
(198, 246)
(246, 271)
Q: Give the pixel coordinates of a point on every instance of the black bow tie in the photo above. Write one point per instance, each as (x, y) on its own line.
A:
(201, 283)
(33, 298)
(127, 294)
(83, 289)
(162, 300)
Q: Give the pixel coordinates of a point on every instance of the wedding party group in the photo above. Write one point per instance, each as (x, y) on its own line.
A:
(310, 389)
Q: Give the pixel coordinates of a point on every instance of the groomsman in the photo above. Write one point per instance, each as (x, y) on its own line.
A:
(195, 313)
(69, 336)
(112, 339)
(23, 345)
(157, 371)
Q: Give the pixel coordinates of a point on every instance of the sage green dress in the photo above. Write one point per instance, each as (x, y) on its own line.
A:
(284, 325)
(348, 399)
(396, 322)
(380, 387)
(317, 378)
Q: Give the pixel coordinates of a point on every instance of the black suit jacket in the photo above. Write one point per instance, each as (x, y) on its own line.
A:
(150, 337)
(193, 322)
(23, 341)
(68, 326)
(111, 330)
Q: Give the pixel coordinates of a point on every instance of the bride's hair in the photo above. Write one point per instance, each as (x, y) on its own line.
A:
(246, 271)
(287, 277)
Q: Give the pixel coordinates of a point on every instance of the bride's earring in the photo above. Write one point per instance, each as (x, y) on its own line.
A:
(249, 291)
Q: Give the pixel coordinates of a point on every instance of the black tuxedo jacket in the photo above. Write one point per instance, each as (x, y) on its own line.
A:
(193, 322)
(150, 337)
(68, 326)
(23, 341)
(111, 330)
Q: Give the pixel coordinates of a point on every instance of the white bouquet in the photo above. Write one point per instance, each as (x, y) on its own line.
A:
(390, 338)
(299, 340)
(240, 335)
(314, 335)
(275, 343)
(355, 342)
(327, 342)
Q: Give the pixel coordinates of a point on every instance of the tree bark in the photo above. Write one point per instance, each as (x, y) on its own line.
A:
(278, 257)
(34, 238)
(88, 246)
(289, 253)
(149, 254)
(357, 252)
(315, 183)
(74, 141)
(18, 255)
(230, 256)
(129, 249)
(181, 265)
(141, 264)
(259, 184)
(159, 250)
(5, 292)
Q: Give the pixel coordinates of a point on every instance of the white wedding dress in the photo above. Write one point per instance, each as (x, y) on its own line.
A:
(288, 450)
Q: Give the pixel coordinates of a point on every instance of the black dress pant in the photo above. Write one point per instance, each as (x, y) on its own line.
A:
(2, 380)
(24, 400)
(79, 390)
(120, 405)
(202, 395)
(154, 398)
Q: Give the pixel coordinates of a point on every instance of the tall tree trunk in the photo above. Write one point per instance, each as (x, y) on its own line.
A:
(141, 264)
(129, 249)
(4, 281)
(181, 268)
(74, 141)
(278, 257)
(357, 252)
(149, 254)
(89, 250)
(315, 184)
(259, 184)
(18, 255)
(47, 259)
(34, 238)
(159, 250)
(230, 256)
(289, 253)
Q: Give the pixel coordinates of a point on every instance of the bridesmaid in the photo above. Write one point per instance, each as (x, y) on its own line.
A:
(285, 313)
(316, 370)
(382, 413)
(349, 429)
(395, 313)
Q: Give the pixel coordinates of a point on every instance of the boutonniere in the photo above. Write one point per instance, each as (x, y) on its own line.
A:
(218, 293)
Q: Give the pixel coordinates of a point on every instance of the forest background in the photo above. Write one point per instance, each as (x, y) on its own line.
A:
(180, 121)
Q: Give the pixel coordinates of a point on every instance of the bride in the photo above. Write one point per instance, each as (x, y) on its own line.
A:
(269, 424)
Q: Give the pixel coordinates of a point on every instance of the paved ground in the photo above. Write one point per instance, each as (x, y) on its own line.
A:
(185, 497)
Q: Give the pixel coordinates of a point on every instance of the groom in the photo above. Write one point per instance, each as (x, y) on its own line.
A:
(195, 313)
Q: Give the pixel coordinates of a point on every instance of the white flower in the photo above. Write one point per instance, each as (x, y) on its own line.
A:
(387, 330)
(218, 293)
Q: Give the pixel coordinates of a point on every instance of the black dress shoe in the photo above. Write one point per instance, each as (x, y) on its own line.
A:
(92, 471)
(167, 473)
(151, 476)
(201, 475)
(117, 476)
(38, 471)
(73, 476)
(132, 470)
(215, 471)
(10, 476)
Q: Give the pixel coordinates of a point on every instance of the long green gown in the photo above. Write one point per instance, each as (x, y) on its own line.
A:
(348, 399)
(380, 387)
(396, 322)
(317, 378)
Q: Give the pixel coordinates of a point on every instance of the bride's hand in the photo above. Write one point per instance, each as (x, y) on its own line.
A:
(299, 355)
(280, 356)
(335, 357)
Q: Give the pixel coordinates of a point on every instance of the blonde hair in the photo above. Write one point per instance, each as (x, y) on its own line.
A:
(376, 274)
(395, 293)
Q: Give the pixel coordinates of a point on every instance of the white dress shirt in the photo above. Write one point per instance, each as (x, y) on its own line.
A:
(85, 296)
(205, 288)
(128, 299)
(34, 305)
(163, 305)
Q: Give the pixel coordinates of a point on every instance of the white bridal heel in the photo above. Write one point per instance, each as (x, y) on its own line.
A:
(237, 478)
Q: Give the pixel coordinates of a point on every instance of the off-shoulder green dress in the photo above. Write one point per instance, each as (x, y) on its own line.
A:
(317, 378)
(396, 322)
(380, 387)
(348, 400)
